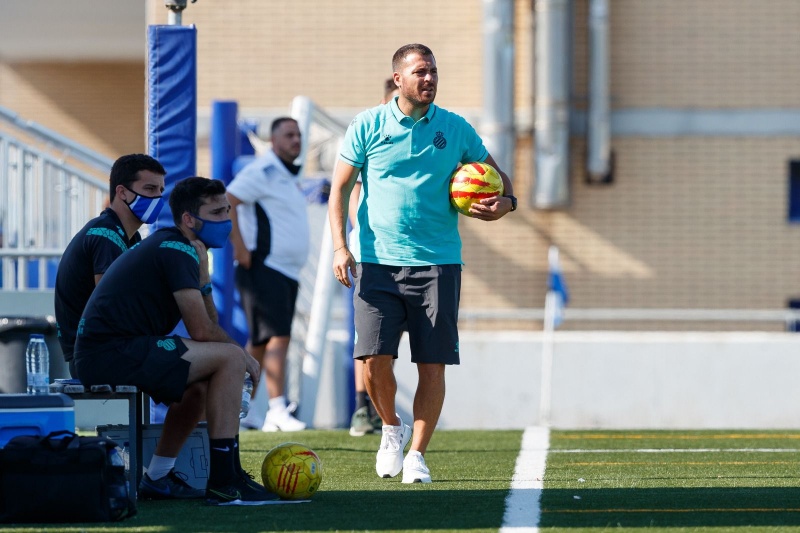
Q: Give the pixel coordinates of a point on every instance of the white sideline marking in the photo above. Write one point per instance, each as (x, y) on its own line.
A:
(685, 450)
(523, 502)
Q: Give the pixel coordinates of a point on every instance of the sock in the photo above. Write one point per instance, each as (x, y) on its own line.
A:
(160, 466)
(361, 399)
(412, 453)
(278, 403)
(237, 460)
(222, 453)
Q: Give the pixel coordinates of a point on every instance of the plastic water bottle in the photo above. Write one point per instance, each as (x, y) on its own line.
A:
(247, 393)
(126, 462)
(126, 456)
(114, 458)
(37, 361)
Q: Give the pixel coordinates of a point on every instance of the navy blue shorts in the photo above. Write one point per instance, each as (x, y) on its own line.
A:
(422, 300)
(268, 300)
(153, 364)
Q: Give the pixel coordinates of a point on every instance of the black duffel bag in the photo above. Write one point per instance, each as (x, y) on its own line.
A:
(62, 477)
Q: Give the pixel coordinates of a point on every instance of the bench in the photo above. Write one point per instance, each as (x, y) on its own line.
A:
(138, 409)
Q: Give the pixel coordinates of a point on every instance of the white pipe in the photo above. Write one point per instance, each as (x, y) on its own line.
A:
(318, 319)
(302, 109)
(598, 128)
(551, 107)
(497, 125)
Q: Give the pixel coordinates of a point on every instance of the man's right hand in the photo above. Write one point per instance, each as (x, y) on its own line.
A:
(343, 261)
(253, 368)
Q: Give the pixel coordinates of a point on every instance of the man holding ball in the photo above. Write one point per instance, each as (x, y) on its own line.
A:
(408, 269)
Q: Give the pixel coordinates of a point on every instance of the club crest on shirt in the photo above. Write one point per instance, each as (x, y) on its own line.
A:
(387, 139)
(439, 141)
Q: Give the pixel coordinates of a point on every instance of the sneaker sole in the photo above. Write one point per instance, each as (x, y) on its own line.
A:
(417, 480)
(218, 503)
(158, 496)
(149, 493)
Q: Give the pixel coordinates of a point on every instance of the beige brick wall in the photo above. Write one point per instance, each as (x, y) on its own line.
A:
(262, 54)
(698, 53)
(688, 222)
(99, 105)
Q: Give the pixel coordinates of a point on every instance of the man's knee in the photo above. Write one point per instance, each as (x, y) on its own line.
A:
(196, 392)
(378, 364)
(431, 371)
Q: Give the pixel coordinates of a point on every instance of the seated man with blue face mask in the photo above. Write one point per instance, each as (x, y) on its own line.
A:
(123, 335)
(135, 188)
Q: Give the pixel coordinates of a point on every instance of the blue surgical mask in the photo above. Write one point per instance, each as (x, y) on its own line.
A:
(146, 208)
(214, 233)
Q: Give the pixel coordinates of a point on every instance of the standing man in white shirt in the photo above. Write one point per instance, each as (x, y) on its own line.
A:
(270, 240)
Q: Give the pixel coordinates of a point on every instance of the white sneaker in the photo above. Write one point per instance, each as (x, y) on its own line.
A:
(282, 420)
(414, 468)
(251, 421)
(389, 461)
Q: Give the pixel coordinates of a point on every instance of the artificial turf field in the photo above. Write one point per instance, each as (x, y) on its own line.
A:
(670, 481)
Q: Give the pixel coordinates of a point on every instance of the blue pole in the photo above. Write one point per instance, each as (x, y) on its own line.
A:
(225, 147)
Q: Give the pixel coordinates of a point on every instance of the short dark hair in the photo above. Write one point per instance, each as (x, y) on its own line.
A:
(277, 123)
(125, 171)
(190, 194)
(403, 51)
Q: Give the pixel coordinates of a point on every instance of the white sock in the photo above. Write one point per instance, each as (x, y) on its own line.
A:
(160, 466)
(278, 403)
(413, 453)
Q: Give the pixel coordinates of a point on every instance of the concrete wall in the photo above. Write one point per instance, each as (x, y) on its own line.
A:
(641, 380)
(600, 380)
(612, 380)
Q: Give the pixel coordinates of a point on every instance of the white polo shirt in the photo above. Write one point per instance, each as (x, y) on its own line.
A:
(267, 183)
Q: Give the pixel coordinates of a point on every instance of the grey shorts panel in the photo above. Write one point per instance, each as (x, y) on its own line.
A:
(422, 300)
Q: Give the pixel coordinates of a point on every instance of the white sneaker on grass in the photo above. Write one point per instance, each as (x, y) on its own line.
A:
(414, 468)
(282, 420)
(389, 461)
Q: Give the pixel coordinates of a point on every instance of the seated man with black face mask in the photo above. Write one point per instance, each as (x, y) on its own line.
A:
(123, 336)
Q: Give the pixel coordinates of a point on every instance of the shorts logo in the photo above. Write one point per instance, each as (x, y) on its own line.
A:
(439, 141)
(456, 350)
(167, 344)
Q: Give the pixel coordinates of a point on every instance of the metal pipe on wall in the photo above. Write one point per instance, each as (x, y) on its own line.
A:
(552, 67)
(497, 125)
(598, 127)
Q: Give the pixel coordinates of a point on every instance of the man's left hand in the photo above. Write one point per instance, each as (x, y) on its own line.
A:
(492, 208)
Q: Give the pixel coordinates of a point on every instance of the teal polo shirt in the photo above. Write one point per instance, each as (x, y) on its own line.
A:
(405, 217)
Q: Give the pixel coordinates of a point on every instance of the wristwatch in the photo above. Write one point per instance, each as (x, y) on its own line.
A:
(205, 290)
(513, 201)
